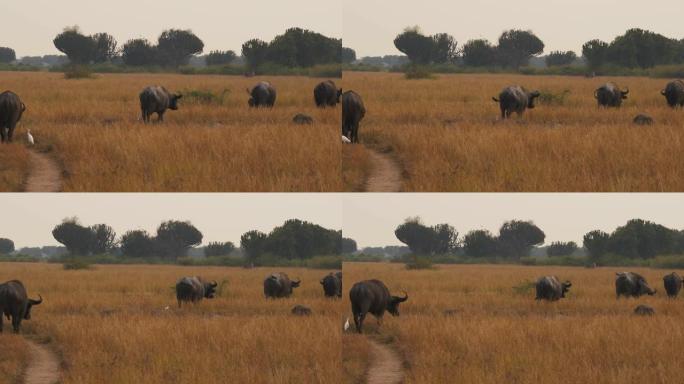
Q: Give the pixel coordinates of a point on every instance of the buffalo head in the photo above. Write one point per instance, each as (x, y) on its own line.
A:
(295, 284)
(530, 98)
(393, 305)
(210, 290)
(31, 302)
(339, 94)
(565, 288)
(624, 93)
(173, 101)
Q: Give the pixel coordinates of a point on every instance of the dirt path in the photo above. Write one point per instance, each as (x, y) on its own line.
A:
(45, 174)
(385, 365)
(385, 175)
(43, 367)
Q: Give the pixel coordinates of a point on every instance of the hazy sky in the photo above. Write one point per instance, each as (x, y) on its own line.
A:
(28, 219)
(371, 25)
(29, 26)
(370, 219)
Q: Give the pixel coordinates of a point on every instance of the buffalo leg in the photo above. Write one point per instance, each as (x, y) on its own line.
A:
(145, 117)
(16, 323)
(10, 132)
(1, 322)
(2, 134)
(161, 116)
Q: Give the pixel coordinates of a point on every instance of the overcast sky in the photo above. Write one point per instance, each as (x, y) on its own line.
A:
(371, 25)
(28, 219)
(29, 26)
(370, 219)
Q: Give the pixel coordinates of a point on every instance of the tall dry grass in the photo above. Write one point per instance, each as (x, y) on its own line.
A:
(110, 325)
(13, 357)
(94, 129)
(502, 335)
(448, 135)
(14, 166)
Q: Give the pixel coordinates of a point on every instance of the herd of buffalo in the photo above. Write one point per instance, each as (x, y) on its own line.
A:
(368, 296)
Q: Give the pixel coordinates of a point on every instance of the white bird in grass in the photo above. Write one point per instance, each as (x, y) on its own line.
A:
(29, 137)
(345, 139)
(346, 323)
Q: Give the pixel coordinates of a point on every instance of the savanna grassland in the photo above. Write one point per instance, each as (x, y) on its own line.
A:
(447, 134)
(500, 334)
(121, 324)
(91, 128)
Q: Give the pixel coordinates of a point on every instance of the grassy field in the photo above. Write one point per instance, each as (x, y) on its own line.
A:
(92, 128)
(500, 334)
(448, 136)
(111, 325)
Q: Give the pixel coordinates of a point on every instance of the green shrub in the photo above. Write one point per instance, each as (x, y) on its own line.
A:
(416, 72)
(548, 97)
(528, 260)
(199, 96)
(419, 262)
(76, 264)
(78, 72)
(324, 262)
(524, 288)
(668, 262)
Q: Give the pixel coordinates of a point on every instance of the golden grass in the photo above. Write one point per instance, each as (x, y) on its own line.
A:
(356, 169)
(502, 335)
(448, 136)
(94, 128)
(110, 325)
(14, 165)
(13, 357)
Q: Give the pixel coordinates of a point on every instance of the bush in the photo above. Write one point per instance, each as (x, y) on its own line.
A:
(419, 262)
(363, 258)
(76, 264)
(198, 96)
(415, 72)
(324, 262)
(524, 288)
(78, 72)
(19, 259)
(668, 262)
(528, 260)
(550, 98)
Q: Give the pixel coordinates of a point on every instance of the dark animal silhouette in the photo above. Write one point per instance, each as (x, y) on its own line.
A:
(156, 99)
(300, 310)
(11, 109)
(193, 289)
(15, 304)
(673, 284)
(372, 296)
(326, 94)
(551, 289)
(302, 119)
(353, 112)
(610, 95)
(262, 95)
(674, 93)
(515, 99)
(630, 284)
(644, 310)
(643, 120)
(332, 285)
(279, 285)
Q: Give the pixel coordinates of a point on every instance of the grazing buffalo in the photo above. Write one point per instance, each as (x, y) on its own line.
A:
(674, 93)
(300, 310)
(194, 289)
(673, 283)
(156, 99)
(11, 109)
(515, 99)
(353, 112)
(302, 119)
(630, 284)
(642, 119)
(610, 95)
(14, 303)
(644, 310)
(262, 95)
(279, 285)
(332, 285)
(326, 94)
(551, 289)
(372, 296)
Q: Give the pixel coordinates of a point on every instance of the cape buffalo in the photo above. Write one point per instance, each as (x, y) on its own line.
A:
(642, 119)
(300, 310)
(326, 94)
(673, 283)
(156, 99)
(515, 99)
(644, 310)
(11, 109)
(610, 95)
(630, 284)
(353, 112)
(262, 95)
(332, 285)
(674, 93)
(194, 289)
(550, 288)
(372, 296)
(302, 119)
(14, 303)
(279, 285)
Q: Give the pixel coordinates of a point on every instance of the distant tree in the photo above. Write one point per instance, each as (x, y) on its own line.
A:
(76, 238)
(445, 239)
(559, 248)
(444, 48)
(641, 48)
(418, 237)
(79, 48)
(642, 239)
(558, 58)
(220, 57)
(175, 47)
(516, 47)
(298, 239)
(254, 51)
(219, 249)
(516, 238)
(138, 244)
(175, 238)
(479, 53)
(253, 243)
(105, 47)
(348, 245)
(418, 47)
(348, 55)
(595, 52)
(104, 238)
(6, 246)
(480, 243)
(299, 47)
(596, 243)
(139, 52)
(7, 55)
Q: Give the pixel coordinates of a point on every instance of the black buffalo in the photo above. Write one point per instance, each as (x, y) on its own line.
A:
(332, 284)
(262, 95)
(515, 99)
(156, 99)
(673, 284)
(674, 93)
(279, 285)
(610, 95)
(326, 94)
(15, 304)
(11, 109)
(353, 112)
(550, 288)
(372, 296)
(630, 284)
(194, 289)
